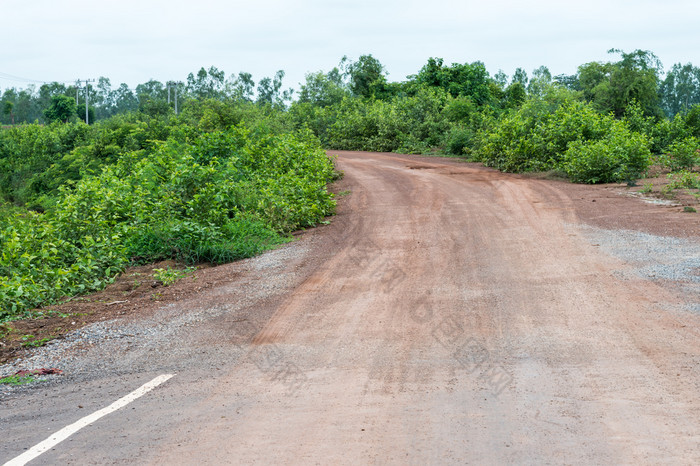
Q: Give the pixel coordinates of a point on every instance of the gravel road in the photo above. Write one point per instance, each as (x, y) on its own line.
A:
(449, 314)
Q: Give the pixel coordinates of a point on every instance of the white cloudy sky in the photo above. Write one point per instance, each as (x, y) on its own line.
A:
(133, 41)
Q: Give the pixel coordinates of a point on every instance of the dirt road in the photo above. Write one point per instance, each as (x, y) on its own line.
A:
(450, 314)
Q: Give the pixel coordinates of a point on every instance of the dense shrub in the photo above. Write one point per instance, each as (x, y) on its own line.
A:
(573, 137)
(682, 179)
(36, 160)
(405, 123)
(227, 195)
(683, 154)
(458, 140)
(535, 137)
(620, 155)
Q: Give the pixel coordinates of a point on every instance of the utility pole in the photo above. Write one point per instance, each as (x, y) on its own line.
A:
(87, 87)
(172, 84)
(77, 90)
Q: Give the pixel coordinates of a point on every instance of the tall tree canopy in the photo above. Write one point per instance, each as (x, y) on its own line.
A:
(611, 87)
(367, 75)
(61, 108)
(206, 84)
(469, 80)
(681, 88)
(323, 89)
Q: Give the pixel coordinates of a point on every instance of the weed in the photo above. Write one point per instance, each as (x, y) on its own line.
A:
(16, 380)
(684, 179)
(648, 187)
(5, 330)
(169, 276)
(689, 209)
(30, 341)
(36, 343)
(667, 192)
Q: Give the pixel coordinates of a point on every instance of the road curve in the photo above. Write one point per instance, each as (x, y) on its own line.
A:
(459, 316)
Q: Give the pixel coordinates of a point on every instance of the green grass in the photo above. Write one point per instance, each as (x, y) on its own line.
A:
(17, 380)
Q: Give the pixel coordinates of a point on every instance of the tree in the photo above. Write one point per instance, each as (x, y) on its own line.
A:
(90, 114)
(269, 90)
(155, 107)
(611, 87)
(7, 110)
(367, 75)
(152, 98)
(8, 105)
(61, 108)
(515, 95)
(520, 76)
(241, 87)
(468, 80)
(123, 99)
(208, 84)
(681, 89)
(151, 90)
(501, 78)
(26, 108)
(323, 89)
(541, 79)
(102, 98)
(49, 90)
(569, 81)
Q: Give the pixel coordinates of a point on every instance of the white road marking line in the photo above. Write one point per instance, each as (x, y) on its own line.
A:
(67, 431)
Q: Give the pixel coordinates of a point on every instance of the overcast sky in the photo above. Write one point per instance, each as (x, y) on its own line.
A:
(133, 41)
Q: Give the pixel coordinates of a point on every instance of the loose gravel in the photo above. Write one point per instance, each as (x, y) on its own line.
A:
(652, 257)
(121, 346)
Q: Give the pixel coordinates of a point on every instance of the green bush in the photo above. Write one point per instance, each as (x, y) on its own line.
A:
(666, 131)
(405, 123)
(228, 195)
(683, 154)
(536, 136)
(458, 140)
(570, 136)
(683, 179)
(621, 155)
(692, 120)
(35, 160)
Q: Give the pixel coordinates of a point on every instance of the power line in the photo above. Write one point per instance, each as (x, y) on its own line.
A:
(12, 77)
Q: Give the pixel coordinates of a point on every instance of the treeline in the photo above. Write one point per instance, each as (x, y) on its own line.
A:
(62, 102)
(610, 86)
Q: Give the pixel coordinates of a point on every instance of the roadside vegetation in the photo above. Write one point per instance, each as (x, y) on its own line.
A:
(237, 168)
(85, 202)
